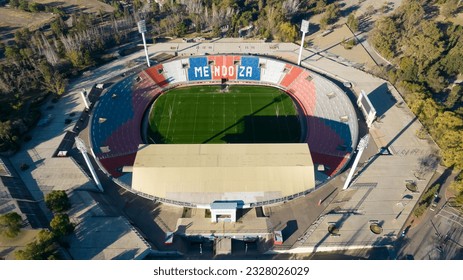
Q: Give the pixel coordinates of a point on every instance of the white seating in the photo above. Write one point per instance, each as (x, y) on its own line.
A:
(271, 71)
(174, 72)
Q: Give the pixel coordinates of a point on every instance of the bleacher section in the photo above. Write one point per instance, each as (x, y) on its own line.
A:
(271, 70)
(328, 113)
(116, 121)
(292, 73)
(249, 69)
(156, 74)
(174, 72)
(223, 66)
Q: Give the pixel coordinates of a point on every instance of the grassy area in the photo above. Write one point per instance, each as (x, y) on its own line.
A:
(244, 114)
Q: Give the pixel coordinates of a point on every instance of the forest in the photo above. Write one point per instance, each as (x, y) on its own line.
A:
(425, 49)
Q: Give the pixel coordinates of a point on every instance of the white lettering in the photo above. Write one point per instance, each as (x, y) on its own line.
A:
(241, 73)
(231, 71)
(249, 72)
(206, 71)
(198, 70)
(216, 71)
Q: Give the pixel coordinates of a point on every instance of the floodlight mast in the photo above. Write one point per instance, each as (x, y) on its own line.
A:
(304, 29)
(142, 30)
(84, 95)
(81, 147)
(360, 147)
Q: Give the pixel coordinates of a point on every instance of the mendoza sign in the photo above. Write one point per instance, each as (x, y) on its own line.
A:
(200, 70)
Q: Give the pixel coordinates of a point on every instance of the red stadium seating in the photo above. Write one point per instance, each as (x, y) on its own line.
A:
(293, 73)
(155, 73)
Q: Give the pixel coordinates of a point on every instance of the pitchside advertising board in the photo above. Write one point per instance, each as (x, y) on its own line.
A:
(201, 69)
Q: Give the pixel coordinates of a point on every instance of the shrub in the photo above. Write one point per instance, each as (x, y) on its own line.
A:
(57, 201)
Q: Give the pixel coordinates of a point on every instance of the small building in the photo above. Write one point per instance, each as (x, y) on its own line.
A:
(278, 237)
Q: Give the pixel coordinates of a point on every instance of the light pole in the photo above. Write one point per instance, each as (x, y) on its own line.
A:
(361, 146)
(142, 30)
(81, 147)
(304, 29)
(85, 98)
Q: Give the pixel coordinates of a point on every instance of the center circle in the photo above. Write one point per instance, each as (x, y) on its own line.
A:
(217, 114)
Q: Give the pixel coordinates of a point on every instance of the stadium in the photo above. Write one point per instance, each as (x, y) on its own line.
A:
(225, 128)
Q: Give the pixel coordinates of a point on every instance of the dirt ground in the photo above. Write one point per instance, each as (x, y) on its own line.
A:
(9, 245)
(331, 43)
(12, 19)
(87, 6)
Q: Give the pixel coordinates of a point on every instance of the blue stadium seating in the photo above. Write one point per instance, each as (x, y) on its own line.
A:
(249, 69)
(115, 100)
(199, 69)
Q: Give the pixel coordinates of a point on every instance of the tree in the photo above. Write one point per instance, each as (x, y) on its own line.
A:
(353, 22)
(425, 46)
(43, 248)
(454, 96)
(435, 79)
(12, 54)
(58, 27)
(408, 69)
(10, 224)
(320, 6)
(6, 135)
(216, 31)
(331, 14)
(23, 5)
(323, 23)
(34, 7)
(288, 32)
(14, 3)
(57, 201)
(53, 81)
(61, 225)
(385, 36)
(137, 4)
(411, 13)
(419, 210)
(180, 29)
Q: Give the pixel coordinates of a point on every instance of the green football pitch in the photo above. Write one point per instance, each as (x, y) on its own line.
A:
(242, 114)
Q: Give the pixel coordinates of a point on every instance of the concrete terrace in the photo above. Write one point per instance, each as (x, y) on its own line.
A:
(99, 236)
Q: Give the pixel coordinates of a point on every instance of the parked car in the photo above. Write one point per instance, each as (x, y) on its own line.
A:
(434, 203)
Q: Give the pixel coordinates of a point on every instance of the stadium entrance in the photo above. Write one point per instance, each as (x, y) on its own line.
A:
(223, 212)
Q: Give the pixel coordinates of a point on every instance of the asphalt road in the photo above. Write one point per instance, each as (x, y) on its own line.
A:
(438, 234)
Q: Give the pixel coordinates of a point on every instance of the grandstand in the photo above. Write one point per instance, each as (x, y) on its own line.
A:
(328, 117)
(233, 172)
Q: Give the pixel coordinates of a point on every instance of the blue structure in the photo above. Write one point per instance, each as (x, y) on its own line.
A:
(199, 69)
(117, 99)
(249, 69)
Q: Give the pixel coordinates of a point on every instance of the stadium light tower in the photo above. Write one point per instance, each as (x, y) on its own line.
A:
(84, 95)
(81, 147)
(360, 147)
(304, 29)
(142, 30)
